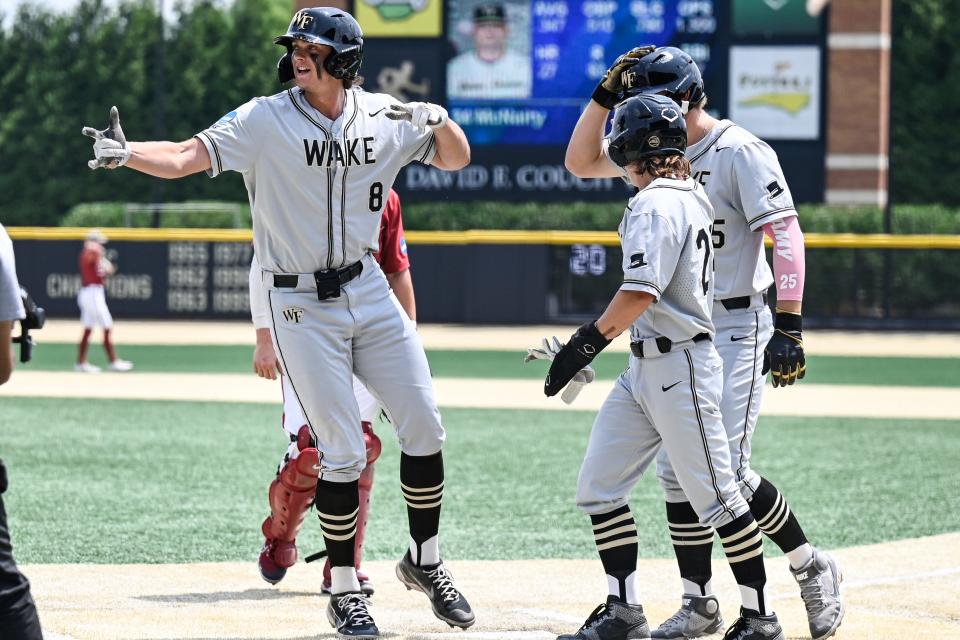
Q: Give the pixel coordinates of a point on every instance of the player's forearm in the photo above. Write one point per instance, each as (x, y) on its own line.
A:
(453, 148)
(584, 157)
(402, 285)
(264, 338)
(789, 262)
(622, 311)
(168, 159)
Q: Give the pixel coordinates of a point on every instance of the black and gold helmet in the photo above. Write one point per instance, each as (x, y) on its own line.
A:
(329, 26)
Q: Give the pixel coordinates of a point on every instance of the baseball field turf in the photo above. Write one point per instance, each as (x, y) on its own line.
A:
(140, 518)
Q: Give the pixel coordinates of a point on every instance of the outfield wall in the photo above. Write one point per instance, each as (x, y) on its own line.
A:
(490, 277)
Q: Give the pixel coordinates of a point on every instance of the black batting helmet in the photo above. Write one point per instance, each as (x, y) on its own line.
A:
(669, 71)
(332, 27)
(644, 126)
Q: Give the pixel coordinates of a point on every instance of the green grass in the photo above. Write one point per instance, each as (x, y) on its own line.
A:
(879, 371)
(105, 481)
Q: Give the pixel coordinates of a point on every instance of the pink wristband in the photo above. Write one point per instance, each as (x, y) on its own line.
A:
(789, 261)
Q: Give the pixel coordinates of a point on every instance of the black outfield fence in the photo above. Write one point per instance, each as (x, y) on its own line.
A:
(492, 277)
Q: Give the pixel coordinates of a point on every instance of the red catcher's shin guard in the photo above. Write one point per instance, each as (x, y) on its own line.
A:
(291, 494)
(365, 486)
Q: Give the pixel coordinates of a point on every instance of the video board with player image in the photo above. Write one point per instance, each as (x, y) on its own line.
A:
(523, 70)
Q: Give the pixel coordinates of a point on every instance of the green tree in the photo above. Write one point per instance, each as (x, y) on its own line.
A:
(925, 146)
(81, 63)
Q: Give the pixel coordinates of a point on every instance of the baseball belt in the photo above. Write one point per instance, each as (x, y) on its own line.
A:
(742, 302)
(663, 345)
(328, 282)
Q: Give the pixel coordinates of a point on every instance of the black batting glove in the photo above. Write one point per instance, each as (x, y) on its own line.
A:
(785, 350)
(579, 351)
(608, 92)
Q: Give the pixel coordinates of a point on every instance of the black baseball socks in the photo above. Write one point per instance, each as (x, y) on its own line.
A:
(421, 482)
(615, 533)
(775, 519)
(338, 504)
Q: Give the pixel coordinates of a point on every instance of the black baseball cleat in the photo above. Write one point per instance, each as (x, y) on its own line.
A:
(613, 620)
(348, 613)
(753, 626)
(437, 583)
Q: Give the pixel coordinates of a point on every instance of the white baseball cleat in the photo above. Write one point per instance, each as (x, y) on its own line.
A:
(86, 367)
(120, 365)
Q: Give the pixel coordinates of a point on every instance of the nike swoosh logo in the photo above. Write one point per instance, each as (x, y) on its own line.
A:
(663, 388)
(376, 112)
(719, 149)
(738, 338)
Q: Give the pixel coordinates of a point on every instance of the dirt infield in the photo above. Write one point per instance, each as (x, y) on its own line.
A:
(905, 589)
(803, 400)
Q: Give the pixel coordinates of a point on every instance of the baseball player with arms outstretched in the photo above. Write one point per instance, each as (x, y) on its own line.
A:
(318, 160)
(292, 491)
(669, 397)
(744, 182)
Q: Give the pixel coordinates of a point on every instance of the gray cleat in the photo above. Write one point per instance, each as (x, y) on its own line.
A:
(613, 620)
(819, 584)
(697, 616)
(755, 627)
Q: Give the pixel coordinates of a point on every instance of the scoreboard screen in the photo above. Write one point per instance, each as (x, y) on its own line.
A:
(531, 85)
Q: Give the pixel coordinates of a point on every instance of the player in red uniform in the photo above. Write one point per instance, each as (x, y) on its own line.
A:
(94, 268)
(292, 492)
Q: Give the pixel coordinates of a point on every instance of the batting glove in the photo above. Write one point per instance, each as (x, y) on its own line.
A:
(110, 148)
(548, 351)
(787, 363)
(579, 352)
(607, 93)
(422, 115)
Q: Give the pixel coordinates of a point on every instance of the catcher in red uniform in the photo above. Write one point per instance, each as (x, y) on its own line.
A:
(292, 492)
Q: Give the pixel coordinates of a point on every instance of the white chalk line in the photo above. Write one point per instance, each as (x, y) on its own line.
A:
(493, 635)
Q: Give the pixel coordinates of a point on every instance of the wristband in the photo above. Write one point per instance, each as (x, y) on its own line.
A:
(606, 99)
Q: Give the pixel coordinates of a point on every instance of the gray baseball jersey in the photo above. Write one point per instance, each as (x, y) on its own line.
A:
(745, 185)
(317, 190)
(743, 179)
(317, 187)
(11, 303)
(669, 400)
(668, 252)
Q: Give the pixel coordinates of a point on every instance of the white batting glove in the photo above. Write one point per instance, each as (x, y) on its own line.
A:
(110, 148)
(422, 115)
(547, 351)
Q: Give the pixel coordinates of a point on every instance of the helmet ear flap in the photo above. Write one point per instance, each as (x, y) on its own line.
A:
(285, 66)
(344, 64)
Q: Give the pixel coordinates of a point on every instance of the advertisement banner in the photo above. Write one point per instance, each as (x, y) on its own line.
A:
(775, 91)
(400, 18)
